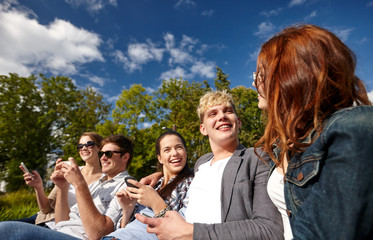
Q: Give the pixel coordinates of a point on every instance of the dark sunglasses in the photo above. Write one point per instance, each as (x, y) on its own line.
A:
(89, 144)
(108, 154)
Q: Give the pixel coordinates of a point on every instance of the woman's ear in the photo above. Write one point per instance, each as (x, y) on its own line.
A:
(160, 159)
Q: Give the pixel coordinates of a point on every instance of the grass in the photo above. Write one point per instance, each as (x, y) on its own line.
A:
(19, 204)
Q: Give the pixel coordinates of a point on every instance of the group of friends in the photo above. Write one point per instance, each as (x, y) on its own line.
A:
(308, 176)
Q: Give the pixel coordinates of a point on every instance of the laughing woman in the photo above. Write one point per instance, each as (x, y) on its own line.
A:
(319, 134)
(168, 194)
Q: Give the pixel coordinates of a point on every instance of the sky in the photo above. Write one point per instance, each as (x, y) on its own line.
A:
(113, 44)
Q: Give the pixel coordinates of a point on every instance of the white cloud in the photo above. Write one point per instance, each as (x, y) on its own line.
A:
(96, 79)
(204, 69)
(175, 73)
(93, 6)
(296, 2)
(139, 54)
(270, 13)
(183, 57)
(208, 13)
(185, 3)
(29, 47)
(343, 34)
(370, 96)
(363, 40)
(265, 29)
(254, 56)
(312, 15)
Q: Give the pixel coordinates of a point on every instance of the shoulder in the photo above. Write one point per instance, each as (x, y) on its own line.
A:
(256, 156)
(185, 183)
(202, 160)
(354, 121)
(358, 116)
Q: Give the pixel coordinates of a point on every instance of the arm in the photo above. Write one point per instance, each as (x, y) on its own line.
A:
(127, 205)
(151, 179)
(36, 182)
(337, 202)
(61, 207)
(95, 224)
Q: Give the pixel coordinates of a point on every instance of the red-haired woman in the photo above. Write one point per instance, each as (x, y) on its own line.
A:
(319, 134)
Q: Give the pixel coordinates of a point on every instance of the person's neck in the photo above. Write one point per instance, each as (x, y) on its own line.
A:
(91, 169)
(113, 175)
(223, 151)
(166, 177)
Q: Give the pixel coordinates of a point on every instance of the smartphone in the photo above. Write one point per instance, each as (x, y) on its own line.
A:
(146, 215)
(130, 184)
(25, 169)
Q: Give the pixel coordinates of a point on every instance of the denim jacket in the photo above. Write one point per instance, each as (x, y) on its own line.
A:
(329, 187)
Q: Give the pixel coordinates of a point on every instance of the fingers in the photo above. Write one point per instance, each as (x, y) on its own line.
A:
(72, 161)
(145, 181)
(151, 222)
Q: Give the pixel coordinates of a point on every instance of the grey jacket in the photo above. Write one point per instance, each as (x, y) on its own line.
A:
(247, 211)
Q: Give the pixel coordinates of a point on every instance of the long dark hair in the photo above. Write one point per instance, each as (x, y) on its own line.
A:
(186, 172)
(307, 74)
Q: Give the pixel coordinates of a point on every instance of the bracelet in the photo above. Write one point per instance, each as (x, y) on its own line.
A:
(162, 212)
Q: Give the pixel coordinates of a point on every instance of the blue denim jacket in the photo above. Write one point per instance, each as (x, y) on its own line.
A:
(329, 187)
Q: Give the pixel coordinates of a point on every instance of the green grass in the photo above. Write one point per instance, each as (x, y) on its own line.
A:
(17, 205)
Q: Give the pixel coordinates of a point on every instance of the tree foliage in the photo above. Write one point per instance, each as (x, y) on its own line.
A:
(41, 119)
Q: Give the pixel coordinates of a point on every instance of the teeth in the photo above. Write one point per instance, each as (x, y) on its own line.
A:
(175, 161)
(224, 126)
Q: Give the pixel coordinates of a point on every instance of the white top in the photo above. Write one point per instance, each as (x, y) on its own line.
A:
(103, 193)
(205, 193)
(275, 189)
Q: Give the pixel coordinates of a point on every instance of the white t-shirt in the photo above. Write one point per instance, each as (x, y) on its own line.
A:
(205, 193)
(275, 189)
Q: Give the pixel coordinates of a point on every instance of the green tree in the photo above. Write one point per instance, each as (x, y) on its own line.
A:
(41, 120)
(177, 101)
(221, 80)
(251, 116)
(24, 131)
(132, 110)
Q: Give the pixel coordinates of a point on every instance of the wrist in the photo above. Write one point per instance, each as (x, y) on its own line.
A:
(161, 213)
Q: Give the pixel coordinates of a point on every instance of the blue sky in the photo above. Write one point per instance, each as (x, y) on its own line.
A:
(113, 44)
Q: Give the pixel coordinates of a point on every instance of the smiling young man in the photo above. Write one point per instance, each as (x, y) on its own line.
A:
(97, 210)
(228, 197)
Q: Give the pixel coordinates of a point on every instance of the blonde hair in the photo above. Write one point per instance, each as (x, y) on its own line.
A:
(211, 99)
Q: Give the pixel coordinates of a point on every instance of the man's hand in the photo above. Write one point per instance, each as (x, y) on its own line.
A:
(57, 176)
(125, 201)
(71, 172)
(152, 179)
(171, 227)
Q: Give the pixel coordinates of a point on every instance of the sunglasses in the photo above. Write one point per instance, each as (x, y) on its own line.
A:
(108, 154)
(89, 144)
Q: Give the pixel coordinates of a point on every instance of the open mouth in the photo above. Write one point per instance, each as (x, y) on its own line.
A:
(225, 126)
(175, 160)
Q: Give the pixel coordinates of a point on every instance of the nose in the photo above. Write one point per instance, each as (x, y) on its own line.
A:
(253, 83)
(174, 152)
(221, 115)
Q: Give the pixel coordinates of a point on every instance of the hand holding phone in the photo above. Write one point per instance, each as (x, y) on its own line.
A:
(25, 170)
(130, 184)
